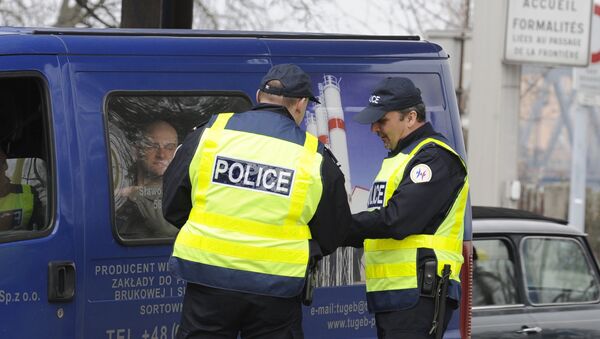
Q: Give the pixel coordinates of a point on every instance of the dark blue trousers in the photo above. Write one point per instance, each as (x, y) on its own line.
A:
(413, 323)
(215, 313)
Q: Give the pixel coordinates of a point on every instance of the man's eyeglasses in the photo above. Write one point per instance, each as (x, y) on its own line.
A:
(154, 146)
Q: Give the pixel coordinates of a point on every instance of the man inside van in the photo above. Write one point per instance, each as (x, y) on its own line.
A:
(259, 201)
(19, 205)
(141, 216)
(412, 230)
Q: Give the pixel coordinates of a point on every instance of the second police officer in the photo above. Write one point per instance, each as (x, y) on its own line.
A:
(414, 228)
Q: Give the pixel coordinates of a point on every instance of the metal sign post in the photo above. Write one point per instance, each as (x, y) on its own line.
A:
(587, 85)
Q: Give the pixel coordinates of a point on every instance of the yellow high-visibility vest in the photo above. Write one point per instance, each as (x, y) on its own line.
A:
(18, 206)
(391, 265)
(253, 196)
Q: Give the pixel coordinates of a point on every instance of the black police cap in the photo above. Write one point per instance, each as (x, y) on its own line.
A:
(296, 83)
(391, 94)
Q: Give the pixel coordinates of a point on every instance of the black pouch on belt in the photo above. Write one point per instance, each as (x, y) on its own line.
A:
(309, 284)
(428, 278)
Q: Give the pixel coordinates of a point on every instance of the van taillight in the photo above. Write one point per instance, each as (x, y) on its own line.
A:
(466, 277)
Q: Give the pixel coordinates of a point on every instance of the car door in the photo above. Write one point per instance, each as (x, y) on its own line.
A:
(499, 310)
(562, 285)
(38, 238)
(143, 107)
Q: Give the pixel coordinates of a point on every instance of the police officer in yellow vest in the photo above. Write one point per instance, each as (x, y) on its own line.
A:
(18, 204)
(414, 223)
(258, 201)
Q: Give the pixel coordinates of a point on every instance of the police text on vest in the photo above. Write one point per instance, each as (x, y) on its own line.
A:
(252, 175)
(377, 195)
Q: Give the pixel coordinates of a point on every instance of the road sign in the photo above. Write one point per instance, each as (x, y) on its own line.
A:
(550, 32)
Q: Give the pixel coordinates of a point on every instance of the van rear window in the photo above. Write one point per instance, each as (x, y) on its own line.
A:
(24, 158)
(144, 132)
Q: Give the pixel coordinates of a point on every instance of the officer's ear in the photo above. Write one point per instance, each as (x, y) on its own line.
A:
(302, 105)
(411, 118)
(299, 109)
(303, 102)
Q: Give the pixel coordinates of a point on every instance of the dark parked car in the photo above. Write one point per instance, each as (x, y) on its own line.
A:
(533, 277)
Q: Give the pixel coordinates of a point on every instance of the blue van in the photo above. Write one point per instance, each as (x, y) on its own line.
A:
(89, 119)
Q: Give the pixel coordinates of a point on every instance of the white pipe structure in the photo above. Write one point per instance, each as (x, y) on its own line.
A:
(343, 266)
(322, 128)
(310, 120)
(321, 115)
(337, 127)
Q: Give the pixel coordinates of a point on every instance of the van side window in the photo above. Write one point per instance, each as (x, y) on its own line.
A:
(144, 132)
(558, 271)
(24, 159)
(494, 281)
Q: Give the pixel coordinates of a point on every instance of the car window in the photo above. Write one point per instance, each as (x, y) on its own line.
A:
(24, 155)
(557, 271)
(144, 132)
(494, 280)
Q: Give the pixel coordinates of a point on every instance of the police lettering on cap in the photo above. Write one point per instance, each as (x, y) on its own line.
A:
(296, 83)
(391, 94)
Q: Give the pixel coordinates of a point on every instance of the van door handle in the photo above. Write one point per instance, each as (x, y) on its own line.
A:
(529, 330)
(61, 281)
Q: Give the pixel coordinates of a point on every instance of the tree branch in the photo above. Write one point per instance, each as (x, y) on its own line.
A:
(207, 14)
(91, 12)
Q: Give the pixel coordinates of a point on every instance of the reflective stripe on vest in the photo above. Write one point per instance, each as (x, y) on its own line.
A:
(253, 197)
(18, 206)
(391, 264)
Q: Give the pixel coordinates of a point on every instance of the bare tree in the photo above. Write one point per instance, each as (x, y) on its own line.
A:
(272, 15)
(86, 13)
(334, 16)
(375, 17)
(25, 13)
(419, 16)
(60, 13)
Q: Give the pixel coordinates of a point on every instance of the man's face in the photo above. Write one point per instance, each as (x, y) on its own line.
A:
(158, 148)
(391, 128)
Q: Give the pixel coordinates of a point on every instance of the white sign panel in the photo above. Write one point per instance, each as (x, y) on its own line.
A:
(555, 32)
(587, 83)
(587, 80)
